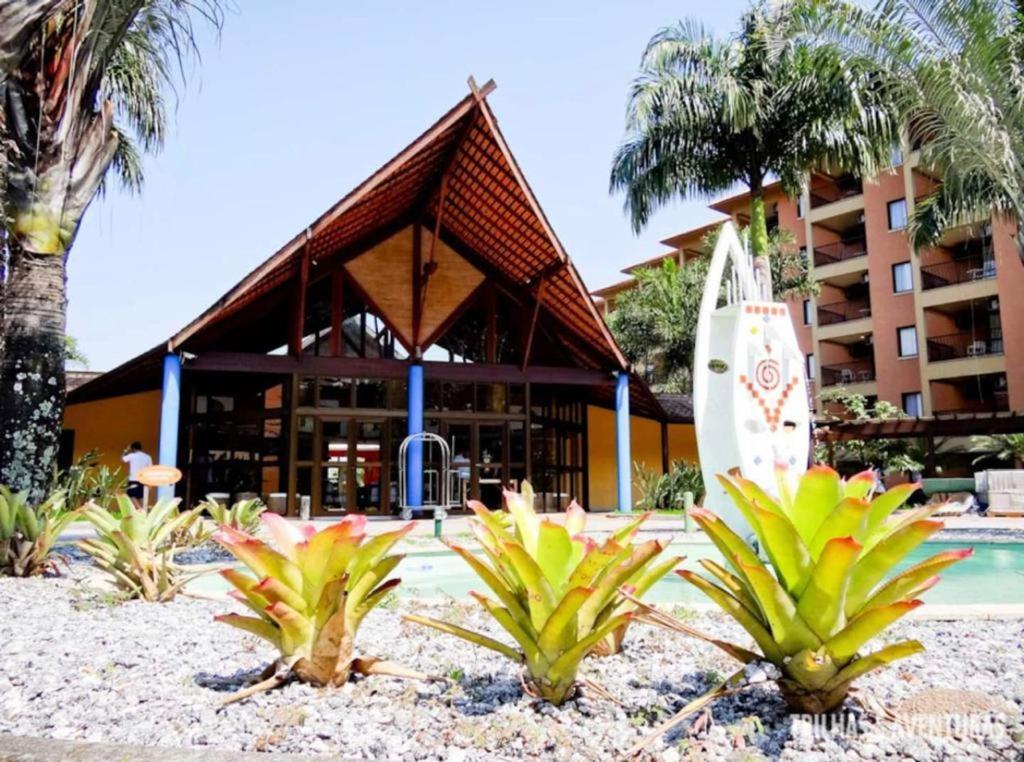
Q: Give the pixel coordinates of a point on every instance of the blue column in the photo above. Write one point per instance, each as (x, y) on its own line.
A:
(623, 462)
(170, 405)
(414, 455)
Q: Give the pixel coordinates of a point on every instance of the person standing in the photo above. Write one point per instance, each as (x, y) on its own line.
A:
(136, 460)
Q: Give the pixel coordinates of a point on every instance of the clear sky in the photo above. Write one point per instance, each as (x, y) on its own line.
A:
(302, 100)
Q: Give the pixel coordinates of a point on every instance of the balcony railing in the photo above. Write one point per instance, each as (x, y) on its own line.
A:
(830, 253)
(840, 312)
(964, 344)
(826, 191)
(844, 374)
(962, 270)
(999, 402)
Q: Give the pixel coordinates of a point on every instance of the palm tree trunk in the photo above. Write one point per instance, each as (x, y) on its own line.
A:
(758, 225)
(32, 369)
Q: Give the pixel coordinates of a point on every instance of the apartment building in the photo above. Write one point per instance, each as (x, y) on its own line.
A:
(938, 332)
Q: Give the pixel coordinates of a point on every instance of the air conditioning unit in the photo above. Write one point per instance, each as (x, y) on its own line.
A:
(860, 218)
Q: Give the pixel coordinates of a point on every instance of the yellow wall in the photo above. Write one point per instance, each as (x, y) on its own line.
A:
(682, 442)
(645, 447)
(112, 424)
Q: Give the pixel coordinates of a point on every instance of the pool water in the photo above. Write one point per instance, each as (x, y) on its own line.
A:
(993, 575)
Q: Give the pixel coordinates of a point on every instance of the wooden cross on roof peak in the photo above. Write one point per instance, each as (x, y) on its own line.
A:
(480, 92)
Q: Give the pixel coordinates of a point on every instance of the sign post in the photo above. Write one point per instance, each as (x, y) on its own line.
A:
(156, 476)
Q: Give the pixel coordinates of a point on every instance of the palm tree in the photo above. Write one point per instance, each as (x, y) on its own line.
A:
(83, 85)
(655, 322)
(1008, 448)
(954, 72)
(706, 113)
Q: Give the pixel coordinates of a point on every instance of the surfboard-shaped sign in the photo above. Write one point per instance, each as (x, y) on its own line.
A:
(749, 384)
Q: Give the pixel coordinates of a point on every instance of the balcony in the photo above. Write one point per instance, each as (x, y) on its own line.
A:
(848, 373)
(830, 253)
(963, 344)
(826, 189)
(841, 312)
(982, 393)
(964, 270)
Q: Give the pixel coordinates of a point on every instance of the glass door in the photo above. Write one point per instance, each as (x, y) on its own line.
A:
(490, 462)
(366, 465)
(334, 466)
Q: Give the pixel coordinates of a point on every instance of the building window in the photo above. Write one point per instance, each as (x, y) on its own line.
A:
(800, 206)
(907, 337)
(902, 278)
(812, 367)
(913, 404)
(897, 214)
(808, 315)
(896, 155)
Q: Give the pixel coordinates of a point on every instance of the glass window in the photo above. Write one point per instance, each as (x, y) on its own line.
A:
(433, 395)
(516, 398)
(307, 391)
(458, 397)
(335, 392)
(902, 278)
(808, 314)
(812, 367)
(913, 404)
(304, 450)
(907, 337)
(371, 393)
(896, 155)
(800, 206)
(897, 214)
(490, 398)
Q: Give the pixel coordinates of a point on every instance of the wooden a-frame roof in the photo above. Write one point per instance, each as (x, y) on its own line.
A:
(462, 169)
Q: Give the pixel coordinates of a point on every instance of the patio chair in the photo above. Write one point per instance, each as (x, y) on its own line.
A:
(1005, 493)
(976, 348)
(846, 376)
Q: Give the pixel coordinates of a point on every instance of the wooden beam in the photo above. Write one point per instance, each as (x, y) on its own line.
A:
(533, 322)
(337, 312)
(358, 367)
(299, 305)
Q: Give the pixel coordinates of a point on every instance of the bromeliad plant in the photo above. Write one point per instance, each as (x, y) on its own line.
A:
(310, 595)
(136, 547)
(243, 515)
(28, 533)
(830, 546)
(557, 590)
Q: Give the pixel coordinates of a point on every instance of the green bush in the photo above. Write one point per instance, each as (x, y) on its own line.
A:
(28, 533)
(87, 481)
(664, 492)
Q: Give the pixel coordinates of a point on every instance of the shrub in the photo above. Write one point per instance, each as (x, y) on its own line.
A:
(28, 533)
(310, 595)
(136, 547)
(830, 546)
(664, 492)
(243, 515)
(557, 590)
(86, 481)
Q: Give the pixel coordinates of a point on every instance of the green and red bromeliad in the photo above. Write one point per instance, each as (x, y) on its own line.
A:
(824, 591)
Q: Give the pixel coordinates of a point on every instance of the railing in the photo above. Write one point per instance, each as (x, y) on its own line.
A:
(963, 344)
(962, 270)
(840, 312)
(999, 402)
(830, 253)
(844, 374)
(836, 189)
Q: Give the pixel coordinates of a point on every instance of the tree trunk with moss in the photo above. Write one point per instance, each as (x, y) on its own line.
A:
(32, 369)
(758, 224)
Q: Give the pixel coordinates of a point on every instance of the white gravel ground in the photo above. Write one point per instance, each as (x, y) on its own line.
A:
(77, 666)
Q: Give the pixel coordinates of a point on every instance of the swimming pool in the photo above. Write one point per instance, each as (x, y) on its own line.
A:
(993, 575)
